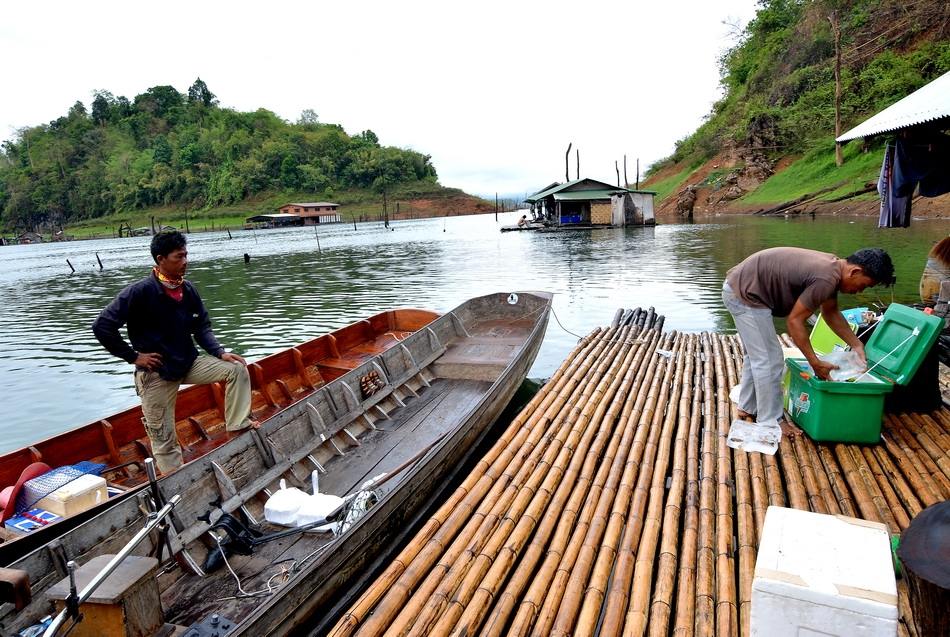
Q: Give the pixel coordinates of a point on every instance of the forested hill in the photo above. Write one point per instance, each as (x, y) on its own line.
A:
(771, 136)
(167, 148)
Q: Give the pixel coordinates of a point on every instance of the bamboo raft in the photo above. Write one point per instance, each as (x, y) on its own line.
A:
(611, 505)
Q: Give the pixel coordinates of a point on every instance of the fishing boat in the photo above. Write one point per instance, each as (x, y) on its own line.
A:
(119, 441)
(387, 437)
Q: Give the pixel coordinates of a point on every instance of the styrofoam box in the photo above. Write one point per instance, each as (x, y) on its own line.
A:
(76, 496)
(823, 575)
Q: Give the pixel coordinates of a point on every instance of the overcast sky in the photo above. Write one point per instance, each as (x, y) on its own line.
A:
(494, 91)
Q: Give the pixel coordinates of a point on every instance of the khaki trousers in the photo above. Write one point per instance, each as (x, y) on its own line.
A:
(158, 403)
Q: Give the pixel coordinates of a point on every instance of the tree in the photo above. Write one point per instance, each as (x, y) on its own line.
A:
(102, 105)
(308, 117)
(199, 93)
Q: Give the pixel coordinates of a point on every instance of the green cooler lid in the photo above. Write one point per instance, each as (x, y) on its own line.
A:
(893, 346)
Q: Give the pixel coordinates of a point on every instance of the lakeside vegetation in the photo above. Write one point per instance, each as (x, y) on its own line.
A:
(778, 90)
(166, 153)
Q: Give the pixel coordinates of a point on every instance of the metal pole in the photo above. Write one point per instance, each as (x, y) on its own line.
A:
(100, 577)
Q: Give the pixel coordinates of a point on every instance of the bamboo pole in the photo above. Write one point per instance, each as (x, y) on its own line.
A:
(473, 596)
(824, 482)
(390, 591)
(441, 598)
(745, 518)
(609, 477)
(773, 479)
(893, 503)
(907, 462)
(838, 484)
(705, 614)
(794, 483)
(638, 611)
(666, 571)
(938, 481)
(816, 500)
(726, 606)
(617, 594)
(909, 499)
(933, 442)
(603, 488)
(686, 578)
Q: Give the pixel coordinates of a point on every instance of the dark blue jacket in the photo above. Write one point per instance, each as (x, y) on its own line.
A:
(157, 324)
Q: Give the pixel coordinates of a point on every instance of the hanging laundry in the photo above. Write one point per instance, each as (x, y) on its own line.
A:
(923, 160)
(895, 209)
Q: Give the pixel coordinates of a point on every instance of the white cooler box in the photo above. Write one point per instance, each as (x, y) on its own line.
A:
(76, 496)
(823, 575)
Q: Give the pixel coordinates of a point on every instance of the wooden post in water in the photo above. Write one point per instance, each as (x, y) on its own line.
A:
(229, 233)
(99, 260)
(567, 163)
(70, 266)
(317, 235)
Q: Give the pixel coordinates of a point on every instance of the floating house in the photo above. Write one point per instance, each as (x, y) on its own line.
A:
(313, 213)
(590, 203)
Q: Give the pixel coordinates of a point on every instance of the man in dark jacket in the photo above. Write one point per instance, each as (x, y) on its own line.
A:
(163, 312)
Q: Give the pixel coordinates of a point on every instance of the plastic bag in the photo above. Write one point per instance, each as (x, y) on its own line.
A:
(281, 508)
(848, 362)
(751, 436)
(317, 506)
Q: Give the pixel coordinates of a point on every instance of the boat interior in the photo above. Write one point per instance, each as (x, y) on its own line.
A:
(362, 421)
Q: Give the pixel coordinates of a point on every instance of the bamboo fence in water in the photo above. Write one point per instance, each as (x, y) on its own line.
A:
(611, 505)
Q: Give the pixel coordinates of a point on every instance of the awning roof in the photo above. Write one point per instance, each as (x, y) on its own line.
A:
(926, 104)
(583, 195)
(279, 216)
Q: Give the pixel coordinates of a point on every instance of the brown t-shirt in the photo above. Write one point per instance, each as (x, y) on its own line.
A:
(777, 277)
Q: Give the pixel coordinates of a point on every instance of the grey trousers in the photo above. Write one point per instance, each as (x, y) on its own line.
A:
(763, 364)
(158, 403)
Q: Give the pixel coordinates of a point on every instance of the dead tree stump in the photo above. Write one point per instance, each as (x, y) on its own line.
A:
(925, 554)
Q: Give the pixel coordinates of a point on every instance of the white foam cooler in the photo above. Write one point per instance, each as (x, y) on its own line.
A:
(823, 575)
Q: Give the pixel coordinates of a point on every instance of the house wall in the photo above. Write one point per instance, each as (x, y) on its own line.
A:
(644, 202)
(600, 212)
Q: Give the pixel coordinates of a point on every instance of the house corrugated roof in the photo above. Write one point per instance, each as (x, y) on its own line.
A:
(538, 196)
(928, 103)
(311, 204)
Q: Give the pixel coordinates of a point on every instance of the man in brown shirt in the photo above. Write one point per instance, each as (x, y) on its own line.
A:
(792, 283)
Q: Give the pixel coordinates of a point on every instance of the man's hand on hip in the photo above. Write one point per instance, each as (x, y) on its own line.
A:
(231, 357)
(150, 362)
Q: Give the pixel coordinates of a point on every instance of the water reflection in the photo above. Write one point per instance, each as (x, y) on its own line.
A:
(56, 376)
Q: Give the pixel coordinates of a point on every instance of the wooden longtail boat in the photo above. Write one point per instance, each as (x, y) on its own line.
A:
(277, 381)
(414, 413)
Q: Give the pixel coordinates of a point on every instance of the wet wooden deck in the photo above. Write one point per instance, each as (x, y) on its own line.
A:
(612, 505)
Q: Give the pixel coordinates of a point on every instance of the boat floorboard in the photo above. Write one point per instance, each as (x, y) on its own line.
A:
(410, 429)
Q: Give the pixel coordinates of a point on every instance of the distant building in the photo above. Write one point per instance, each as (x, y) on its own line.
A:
(29, 237)
(588, 202)
(313, 213)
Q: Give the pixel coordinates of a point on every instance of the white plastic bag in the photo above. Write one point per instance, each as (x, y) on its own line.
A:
(848, 362)
(317, 506)
(281, 508)
(750, 436)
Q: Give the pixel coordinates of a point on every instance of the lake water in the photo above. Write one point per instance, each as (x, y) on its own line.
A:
(56, 376)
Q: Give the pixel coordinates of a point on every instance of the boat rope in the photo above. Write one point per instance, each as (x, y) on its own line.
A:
(242, 594)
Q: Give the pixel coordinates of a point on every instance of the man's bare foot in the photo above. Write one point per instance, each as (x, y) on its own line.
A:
(744, 415)
(789, 429)
(255, 424)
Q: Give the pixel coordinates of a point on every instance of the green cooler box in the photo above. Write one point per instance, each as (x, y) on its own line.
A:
(831, 411)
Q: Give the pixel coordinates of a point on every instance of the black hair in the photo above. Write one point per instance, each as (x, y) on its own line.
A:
(876, 263)
(166, 242)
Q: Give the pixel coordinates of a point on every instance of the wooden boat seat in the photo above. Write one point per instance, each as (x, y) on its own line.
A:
(477, 357)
